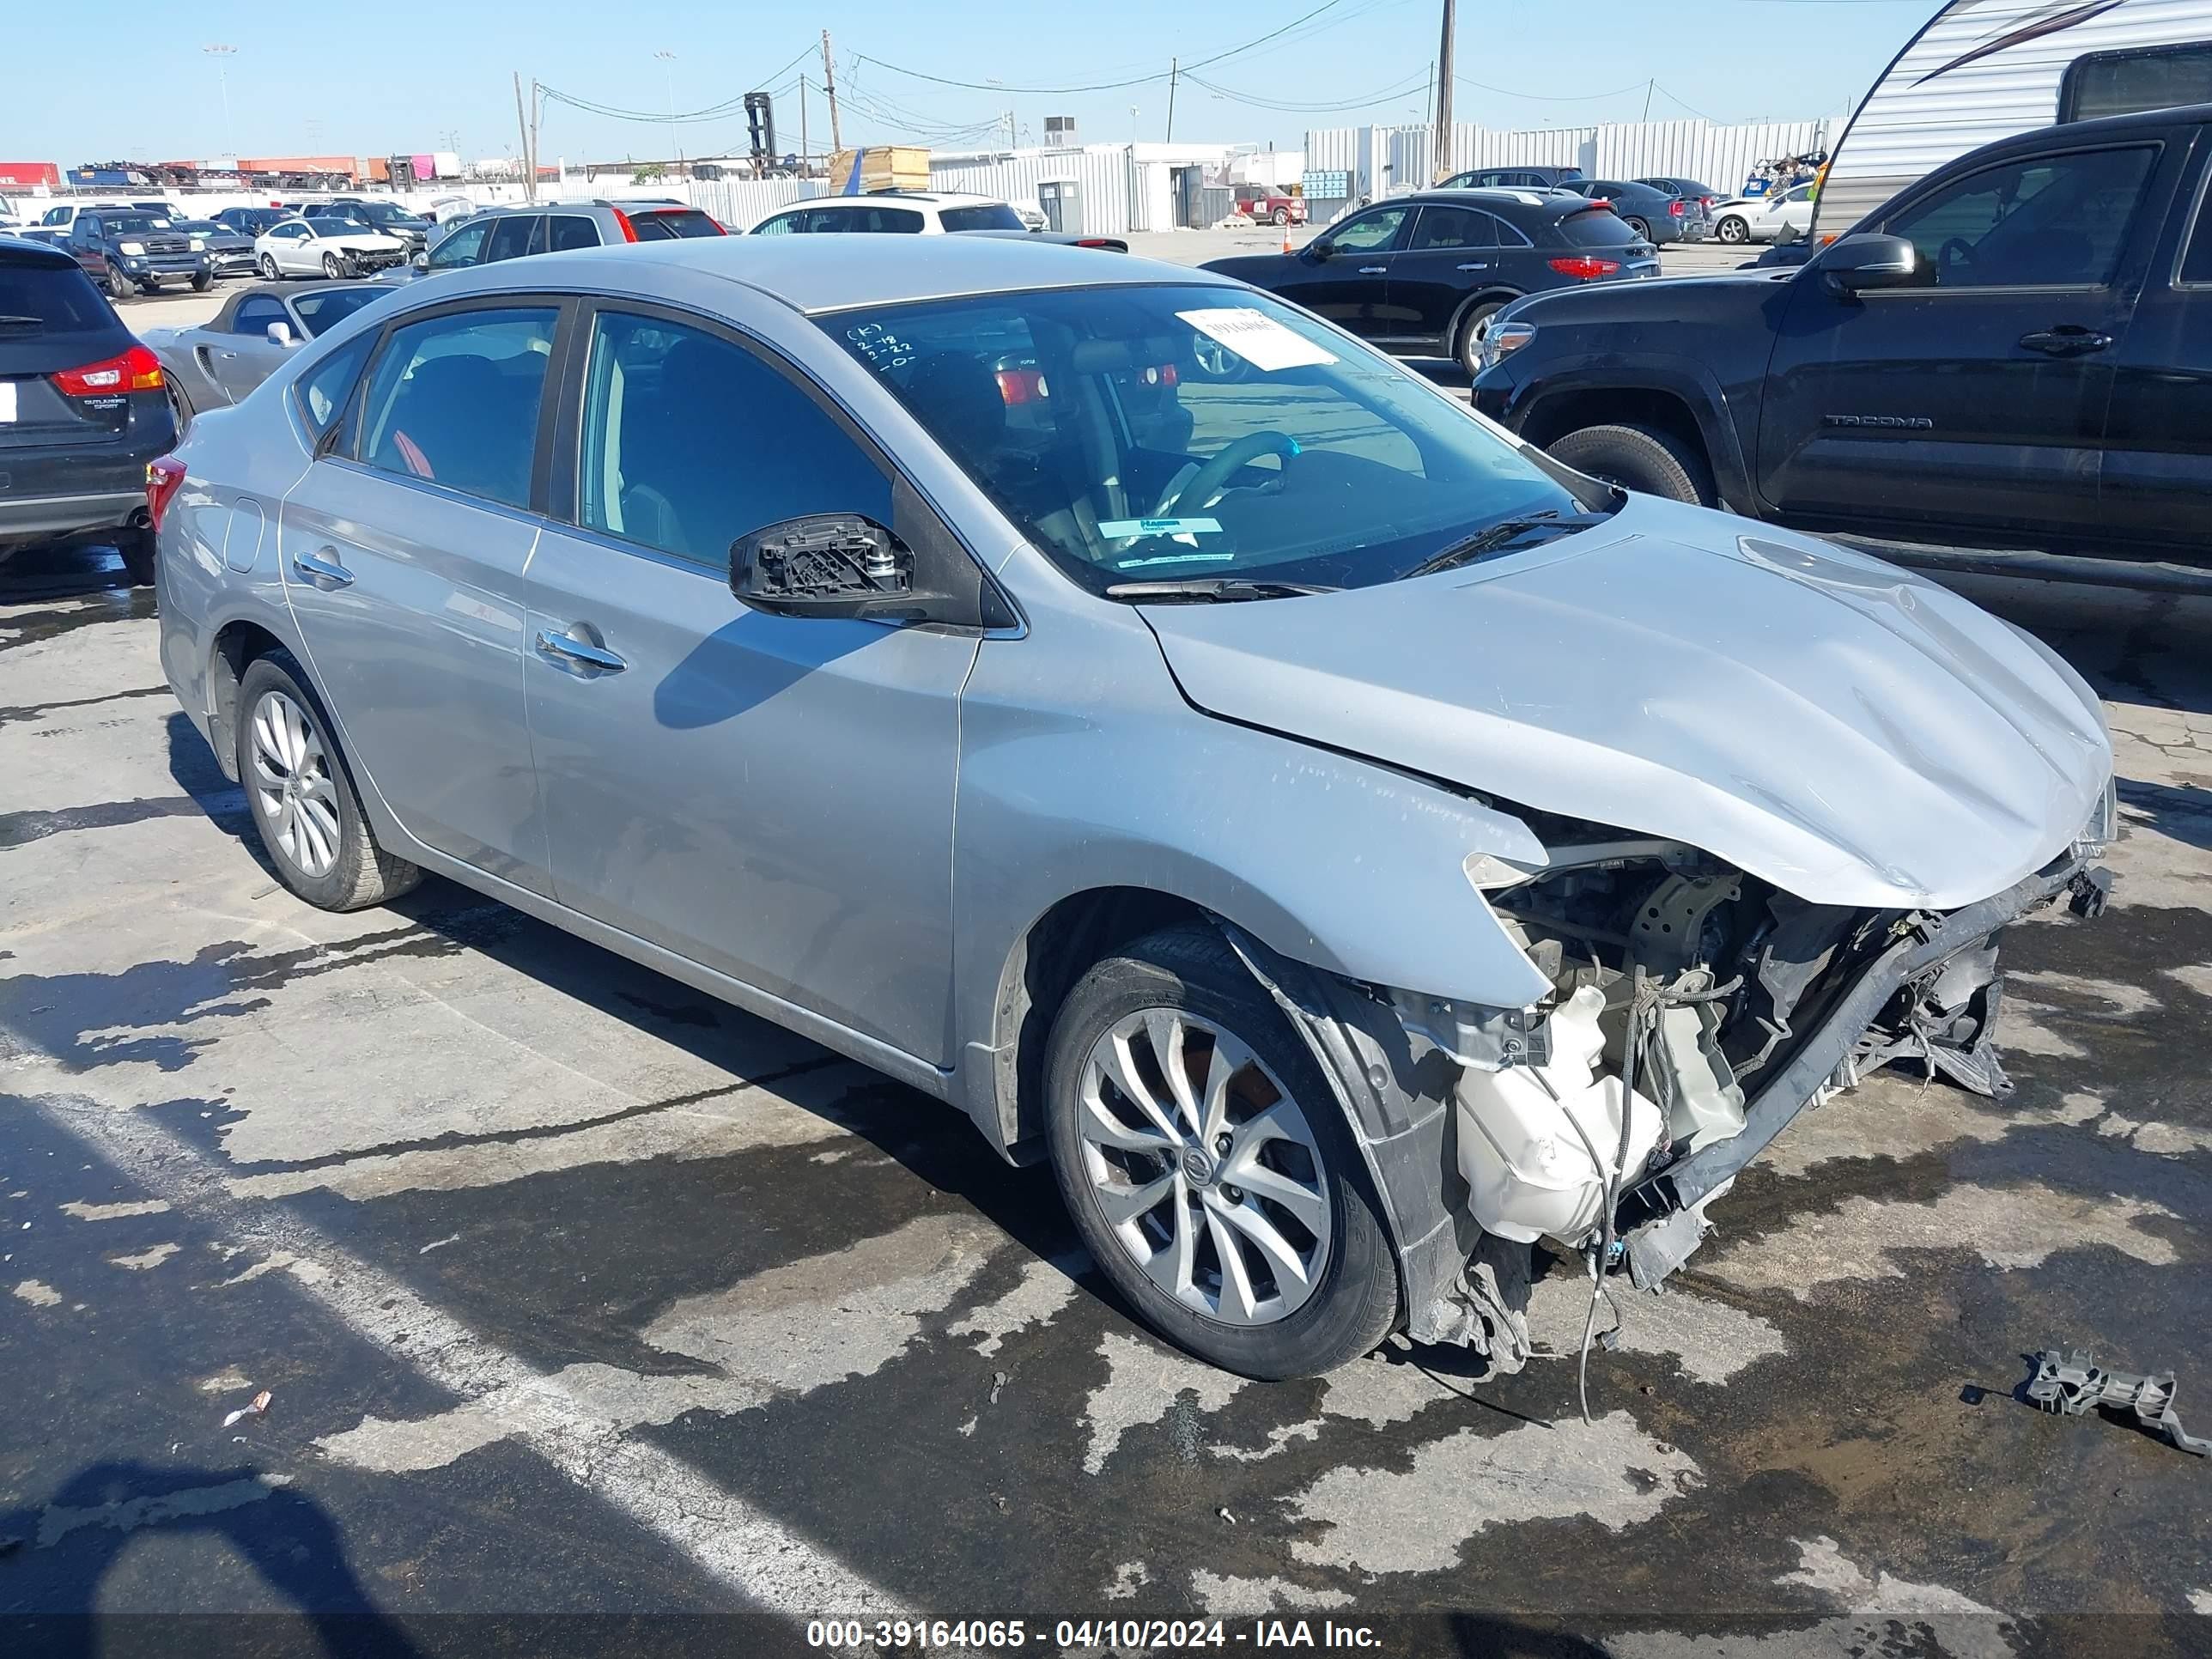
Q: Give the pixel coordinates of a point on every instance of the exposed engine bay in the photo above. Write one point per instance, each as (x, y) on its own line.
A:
(1695, 1010)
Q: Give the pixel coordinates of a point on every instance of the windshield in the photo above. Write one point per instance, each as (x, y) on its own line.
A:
(201, 227)
(387, 213)
(132, 224)
(338, 224)
(1173, 432)
(333, 306)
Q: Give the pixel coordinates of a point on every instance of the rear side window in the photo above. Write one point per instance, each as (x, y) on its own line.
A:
(1595, 228)
(514, 236)
(2045, 221)
(320, 393)
(454, 401)
(42, 299)
(690, 442)
(1451, 227)
(572, 230)
(997, 216)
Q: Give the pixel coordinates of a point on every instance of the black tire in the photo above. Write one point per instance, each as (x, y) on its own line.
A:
(1469, 325)
(1733, 228)
(135, 544)
(203, 281)
(1642, 230)
(364, 873)
(1639, 457)
(1354, 1304)
(1281, 216)
(119, 287)
(333, 267)
(269, 272)
(180, 405)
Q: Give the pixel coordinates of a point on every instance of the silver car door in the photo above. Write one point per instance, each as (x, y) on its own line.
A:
(403, 552)
(770, 796)
(241, 357)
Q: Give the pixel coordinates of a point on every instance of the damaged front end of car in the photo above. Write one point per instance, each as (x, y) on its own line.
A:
(1695, 1010)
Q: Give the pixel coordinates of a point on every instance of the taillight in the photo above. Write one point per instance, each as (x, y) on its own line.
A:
(1676, 207)
(164, 477)
(1022, 385)
(1584, 267)
(622, 224)
(136, 370)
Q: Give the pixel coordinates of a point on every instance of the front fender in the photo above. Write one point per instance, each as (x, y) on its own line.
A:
(1693, 385)
(1344, 866)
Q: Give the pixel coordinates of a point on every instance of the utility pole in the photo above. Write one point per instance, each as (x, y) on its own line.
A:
(1647, 85)
(522, 126)
(1174, 67)
(802, 127)
(1442, 159)
(830, 91)
(1011, 142)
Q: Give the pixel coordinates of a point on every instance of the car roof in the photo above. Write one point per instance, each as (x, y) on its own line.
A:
(920, 198)
(23, 251)
(816, 274)
(1554, 204)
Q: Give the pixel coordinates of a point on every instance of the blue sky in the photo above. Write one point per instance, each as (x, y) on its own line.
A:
(401, 75)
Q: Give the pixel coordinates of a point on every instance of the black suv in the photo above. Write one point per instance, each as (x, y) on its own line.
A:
(2014, 353)
(1417, 275)
(82, 411)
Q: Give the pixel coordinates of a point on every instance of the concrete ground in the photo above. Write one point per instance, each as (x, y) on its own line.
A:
(597, 1316)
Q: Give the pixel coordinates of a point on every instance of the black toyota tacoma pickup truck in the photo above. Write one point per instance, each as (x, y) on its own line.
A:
(2015, 353)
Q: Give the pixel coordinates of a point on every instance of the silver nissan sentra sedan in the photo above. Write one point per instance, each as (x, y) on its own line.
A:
(1349, 846)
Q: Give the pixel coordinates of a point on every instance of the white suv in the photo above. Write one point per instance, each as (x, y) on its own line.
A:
(929, 213)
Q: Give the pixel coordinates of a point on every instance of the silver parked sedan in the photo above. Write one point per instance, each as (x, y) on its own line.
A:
(1347, 845)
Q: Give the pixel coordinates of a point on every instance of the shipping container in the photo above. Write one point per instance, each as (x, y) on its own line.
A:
(30, 173)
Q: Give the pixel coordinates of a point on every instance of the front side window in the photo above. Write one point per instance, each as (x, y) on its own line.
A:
(257, 313)
(1142, 433)
(2048, 221)
(690, 442)
(454, 401)
(463, 247)
(782, 225)
(1371, 233)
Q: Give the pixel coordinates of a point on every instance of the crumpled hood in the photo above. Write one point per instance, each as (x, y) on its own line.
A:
(1851, 732)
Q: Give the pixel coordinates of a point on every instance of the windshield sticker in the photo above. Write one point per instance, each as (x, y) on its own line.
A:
(1256, 337)
(1115, 529)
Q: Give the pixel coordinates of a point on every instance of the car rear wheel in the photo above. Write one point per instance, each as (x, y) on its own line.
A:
(303, 802)
(1642, 230)
(1209, 1165)
(1638, 458)
(1733, 228)
(135, 544)
(1470, 335)
(269, 272)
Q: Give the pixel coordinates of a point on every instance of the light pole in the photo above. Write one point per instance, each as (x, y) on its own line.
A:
(223, 55)
(668, 71)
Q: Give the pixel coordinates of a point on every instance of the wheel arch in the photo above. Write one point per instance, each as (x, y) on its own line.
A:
(1495, 295)
(1681, 400)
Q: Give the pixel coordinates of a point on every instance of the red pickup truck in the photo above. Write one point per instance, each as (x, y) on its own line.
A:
(1270, 206)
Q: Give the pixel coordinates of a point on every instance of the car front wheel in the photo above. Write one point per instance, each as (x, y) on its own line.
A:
(1209, 1167)
(303, 802)
(1639, 457)
(1733, 229)
(269, 272)
(1470, 335)
(1282, 216)
(333, 267)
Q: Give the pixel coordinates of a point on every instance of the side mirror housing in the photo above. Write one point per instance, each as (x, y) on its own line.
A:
(1316, 251)
(280, 334)
(827, 564)
(421, 261)
(1869, 261)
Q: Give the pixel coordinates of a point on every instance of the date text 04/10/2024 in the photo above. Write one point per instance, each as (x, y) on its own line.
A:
(1012, 1634)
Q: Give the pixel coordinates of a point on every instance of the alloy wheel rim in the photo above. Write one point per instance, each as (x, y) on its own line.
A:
(1204, 1168)
(292, 782)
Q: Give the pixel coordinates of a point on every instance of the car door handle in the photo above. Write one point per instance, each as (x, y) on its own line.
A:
(1479, 267)
(567, 651)
(1372, 270)
(2067, 341)
(322, 568)
(228, 356)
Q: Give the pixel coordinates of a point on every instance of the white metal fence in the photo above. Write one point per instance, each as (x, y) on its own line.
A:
(1379, 160)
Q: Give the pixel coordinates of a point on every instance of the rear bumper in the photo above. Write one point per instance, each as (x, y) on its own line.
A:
(26, 519)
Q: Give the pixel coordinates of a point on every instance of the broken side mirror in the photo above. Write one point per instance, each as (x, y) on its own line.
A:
(827, 564)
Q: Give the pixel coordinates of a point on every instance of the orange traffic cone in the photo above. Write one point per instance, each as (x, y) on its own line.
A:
(1286, 236)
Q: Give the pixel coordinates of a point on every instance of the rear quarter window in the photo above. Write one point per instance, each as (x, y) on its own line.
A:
(672, 226)
(1595, 228)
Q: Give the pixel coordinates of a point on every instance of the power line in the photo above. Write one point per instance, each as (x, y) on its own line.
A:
(1545, 98)
(720, 112)
(1296, 107)
(1099, 86)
